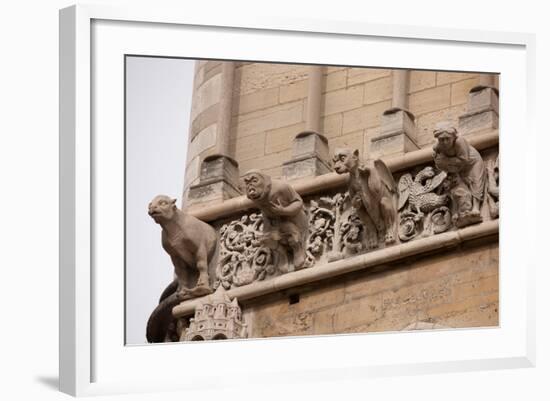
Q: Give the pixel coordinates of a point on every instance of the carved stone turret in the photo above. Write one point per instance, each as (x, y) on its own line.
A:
(216, 318)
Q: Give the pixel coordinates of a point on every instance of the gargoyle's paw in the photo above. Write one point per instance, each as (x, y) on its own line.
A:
(200, 290)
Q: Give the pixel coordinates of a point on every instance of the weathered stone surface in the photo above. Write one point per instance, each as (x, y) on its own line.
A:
(269, 161)
(258, 76)
(280, 139)
(458, 289)
(206, 95)
(421, 80)
(444, 77)
(331, 126)
(302, 167)
(391, 145)
(364, 117)
(378, 90)
(360, 75)
(255, 101)
(353, 140)
(480, 121)
(202, 141)
(250, 147)
(460, 90)
(269, 119)
(335, 80)
(294, 91)
(205, 119)
(430, 100)
(219, 179)
(341, 100)
(397, 134)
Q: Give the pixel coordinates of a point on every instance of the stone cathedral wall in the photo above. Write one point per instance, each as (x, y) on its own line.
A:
(269, 109)
(441, 270)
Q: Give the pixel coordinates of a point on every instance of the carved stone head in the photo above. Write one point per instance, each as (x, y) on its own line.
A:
(446, 135)
(257, 184)
(162, 208)
(345, 160)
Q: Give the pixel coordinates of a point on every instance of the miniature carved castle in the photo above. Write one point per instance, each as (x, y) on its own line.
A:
(216, 318)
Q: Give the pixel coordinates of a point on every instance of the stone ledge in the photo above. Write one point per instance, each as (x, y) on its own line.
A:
(365, 261)
(330, 181)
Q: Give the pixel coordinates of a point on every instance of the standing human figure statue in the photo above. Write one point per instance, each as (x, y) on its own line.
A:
(372, 191)
(284, 218)
(466, 172)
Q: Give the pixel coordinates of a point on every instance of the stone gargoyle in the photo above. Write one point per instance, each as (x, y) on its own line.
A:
(372, 191)
(467, 175)
(191, 245)
(284, 218)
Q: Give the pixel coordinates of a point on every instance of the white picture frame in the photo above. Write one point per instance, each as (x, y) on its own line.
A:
(94, 361)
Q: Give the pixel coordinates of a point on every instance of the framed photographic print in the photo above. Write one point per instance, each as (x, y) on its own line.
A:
(241, 191)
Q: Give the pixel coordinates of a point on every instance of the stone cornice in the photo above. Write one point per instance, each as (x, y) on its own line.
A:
(330, 181)
(367, 261)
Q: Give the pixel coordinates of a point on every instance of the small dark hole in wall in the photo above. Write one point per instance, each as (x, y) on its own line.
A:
(294, 299)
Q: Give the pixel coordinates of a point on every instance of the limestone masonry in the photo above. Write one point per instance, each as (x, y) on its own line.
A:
(341, 200)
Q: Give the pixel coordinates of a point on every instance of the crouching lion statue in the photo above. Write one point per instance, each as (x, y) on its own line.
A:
(372, 191)
(191, 244)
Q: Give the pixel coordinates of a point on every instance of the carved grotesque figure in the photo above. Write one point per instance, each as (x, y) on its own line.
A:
(493, 187)
(191, 244)
(372, 192)
(284, 217)
(454, 155)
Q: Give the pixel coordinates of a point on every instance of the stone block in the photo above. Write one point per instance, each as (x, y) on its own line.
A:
(294, 91)
(305, 167)
(342, 100)
(310, 143)
(378, 90)
(420, 80)
(430, 100)
(205, 119)
(335, 80)
(448, 77)
(219, 178)
(266, 162)
(482, 112)
(397, 134)
(255, 101)
(259, 76)
(202, 141)
(331, 126)
(393, 145)
(281, 139)
(353, 140)
(476, 122)
(482, 100)
(249, 147)
(268, 119)
(364, 117)
(461, 89)
(310, 156)
(206, 95)
(360, 75)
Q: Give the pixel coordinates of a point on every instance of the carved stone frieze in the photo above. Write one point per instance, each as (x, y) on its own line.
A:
(422, 204)
(242, 258)
(493, 187)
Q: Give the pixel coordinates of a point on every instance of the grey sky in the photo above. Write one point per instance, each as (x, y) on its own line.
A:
(158, 104)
